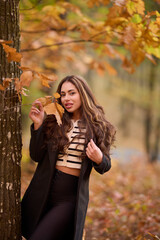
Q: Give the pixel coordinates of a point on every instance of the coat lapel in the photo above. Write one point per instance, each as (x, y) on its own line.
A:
(52, 156)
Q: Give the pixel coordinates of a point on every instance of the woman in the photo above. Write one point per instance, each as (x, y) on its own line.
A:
(55, 204)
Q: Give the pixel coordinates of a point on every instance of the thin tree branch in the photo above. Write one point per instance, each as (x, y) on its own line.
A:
(64, 43)
(97, 34)
(45, 30)
(27, 9)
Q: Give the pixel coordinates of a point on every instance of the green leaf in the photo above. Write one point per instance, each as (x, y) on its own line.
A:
(130, 7)
(117, 211)
(136, 18)
(39, 4)
(154, 51)
(35, 2)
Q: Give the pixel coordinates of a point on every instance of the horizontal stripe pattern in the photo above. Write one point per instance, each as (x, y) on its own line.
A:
(72, 156)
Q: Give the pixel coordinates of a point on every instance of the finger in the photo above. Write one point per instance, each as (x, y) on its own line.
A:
(93, 145)
(39, 104)
(34, 108)
(35, 111)
(89, 146)
(89, 153)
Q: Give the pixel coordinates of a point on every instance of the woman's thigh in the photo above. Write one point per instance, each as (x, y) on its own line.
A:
(57, 224)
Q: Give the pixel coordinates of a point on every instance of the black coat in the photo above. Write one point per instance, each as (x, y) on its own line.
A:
(35, 198)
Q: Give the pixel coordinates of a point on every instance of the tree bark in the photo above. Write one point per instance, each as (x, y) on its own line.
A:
(149, 114)
(10, 128)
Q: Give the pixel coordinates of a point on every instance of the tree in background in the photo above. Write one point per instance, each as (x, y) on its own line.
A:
(10, 128)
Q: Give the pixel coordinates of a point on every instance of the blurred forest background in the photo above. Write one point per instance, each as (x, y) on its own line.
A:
(124, 203)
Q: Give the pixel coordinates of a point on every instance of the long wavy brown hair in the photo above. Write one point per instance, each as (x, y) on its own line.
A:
(92, 118)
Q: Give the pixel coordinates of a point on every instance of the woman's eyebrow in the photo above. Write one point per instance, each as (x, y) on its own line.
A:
(68, 90)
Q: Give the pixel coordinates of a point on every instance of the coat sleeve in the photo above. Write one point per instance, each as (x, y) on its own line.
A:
(104, 166)
(36, 147)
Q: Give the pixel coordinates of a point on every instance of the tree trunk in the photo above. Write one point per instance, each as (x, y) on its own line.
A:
(10, 128)
(155, 154)
(149, 114)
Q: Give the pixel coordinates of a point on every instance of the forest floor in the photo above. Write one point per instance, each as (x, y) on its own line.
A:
(124, 202)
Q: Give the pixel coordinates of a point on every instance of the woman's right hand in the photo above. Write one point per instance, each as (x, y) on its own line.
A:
(37, 115)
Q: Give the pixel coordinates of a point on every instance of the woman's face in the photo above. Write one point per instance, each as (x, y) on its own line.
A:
(70, 99)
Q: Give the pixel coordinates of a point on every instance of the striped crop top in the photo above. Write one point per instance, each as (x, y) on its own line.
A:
(72, 156)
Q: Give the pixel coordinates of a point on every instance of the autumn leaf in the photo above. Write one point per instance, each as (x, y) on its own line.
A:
(18, 85)
(92, 3)
(51, 109)
(111, 70)
(5, 41)
(25, 68)
(26, 78)
(135, 6)
(45, 100)
(151, 58)
(154, 236)
(6, 82)
(23, 91)
(128, 66)
(137, 53)
(12, 54)
(1, 87)
(56, 95)
(158, 1)
(60, 109)
(44, 79)
(129, 34)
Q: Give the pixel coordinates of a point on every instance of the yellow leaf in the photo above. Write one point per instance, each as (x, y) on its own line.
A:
(150, 58)
(128, 66)
(25, 68)
(23, 92)
(6, 82)
(135, 6)
(26, 78)
(137, 53)
(44, 79)
(129, 34)
(1, 87)
(111, 70)
(51, 109)
(5, 41)
(92, 3)
(117, 21)
(56, 95)
(45, 100)
(71, 7)
(60, 109)
(18, 85)
(12, 54)
(58, 118)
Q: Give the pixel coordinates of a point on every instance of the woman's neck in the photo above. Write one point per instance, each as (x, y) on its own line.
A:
(76, 116)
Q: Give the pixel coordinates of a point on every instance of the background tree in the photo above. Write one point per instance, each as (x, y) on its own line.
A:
(10, 128)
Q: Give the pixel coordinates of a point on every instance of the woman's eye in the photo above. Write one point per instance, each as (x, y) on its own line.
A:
(62, 95)
(72, 93)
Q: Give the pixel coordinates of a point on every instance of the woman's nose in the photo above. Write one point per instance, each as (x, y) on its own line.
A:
(66, 98)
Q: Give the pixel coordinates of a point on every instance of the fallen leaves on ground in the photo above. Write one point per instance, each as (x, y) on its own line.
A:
(124, 202)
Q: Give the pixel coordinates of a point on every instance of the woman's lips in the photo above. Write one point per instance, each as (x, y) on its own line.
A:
(68, 105)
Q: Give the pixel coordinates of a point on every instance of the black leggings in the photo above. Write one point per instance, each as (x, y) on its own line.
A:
(58, 221)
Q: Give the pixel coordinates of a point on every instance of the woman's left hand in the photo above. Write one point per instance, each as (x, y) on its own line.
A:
(93, 152)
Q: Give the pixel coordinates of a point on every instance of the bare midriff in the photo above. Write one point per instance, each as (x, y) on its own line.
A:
(72, 171)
